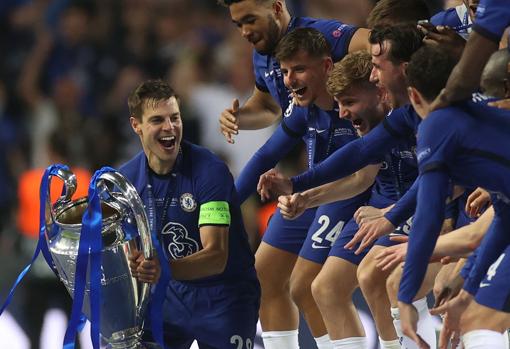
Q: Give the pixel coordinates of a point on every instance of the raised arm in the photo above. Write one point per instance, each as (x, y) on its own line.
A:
(259, 111)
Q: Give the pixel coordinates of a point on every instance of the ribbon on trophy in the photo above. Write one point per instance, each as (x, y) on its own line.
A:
(41, 244)
(91, 245)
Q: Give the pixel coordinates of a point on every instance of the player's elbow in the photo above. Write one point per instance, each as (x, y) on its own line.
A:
(218, 260)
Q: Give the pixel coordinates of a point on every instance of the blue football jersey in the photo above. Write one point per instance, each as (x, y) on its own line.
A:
(199, 179)
(322, 131)
(491, 19)
(468, 144)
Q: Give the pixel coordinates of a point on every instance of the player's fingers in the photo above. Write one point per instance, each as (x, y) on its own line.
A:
(455, 339)
(400, 238)
(444, 337)
(440, 309)
(355, 239)
(442, 297)
(365, 242)
(235, 106)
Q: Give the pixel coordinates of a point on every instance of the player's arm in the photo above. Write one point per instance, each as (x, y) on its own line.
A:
(209, 261)
(428, 219)
(348, 159)
(359, 40)
(465, 239)
(266, 157)
(465, 77)
(259, 111)
(342, 189)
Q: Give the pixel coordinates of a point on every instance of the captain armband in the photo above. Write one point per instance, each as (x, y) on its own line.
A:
(214, 213)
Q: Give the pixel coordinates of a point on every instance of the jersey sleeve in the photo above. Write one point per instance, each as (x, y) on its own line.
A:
(437, 142)
(214, 187)
(266, 157)
(492, 18)
(338, 35)
(260, 83)
(405, 207)
(401, 122)
(348, 159)
(427, 222)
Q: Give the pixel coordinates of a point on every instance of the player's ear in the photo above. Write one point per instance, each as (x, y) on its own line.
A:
(278, 8)
(135, 125)
(328, 64)
(414, 96)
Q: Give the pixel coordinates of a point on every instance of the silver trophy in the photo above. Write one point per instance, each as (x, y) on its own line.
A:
(124, 299)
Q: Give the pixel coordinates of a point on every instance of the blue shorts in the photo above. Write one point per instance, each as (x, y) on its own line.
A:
(494, 290)
(216, 316)
(313, 233)
(328, 223)
(348, 233)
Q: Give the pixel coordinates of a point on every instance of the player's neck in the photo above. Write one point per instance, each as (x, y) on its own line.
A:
(325, 101)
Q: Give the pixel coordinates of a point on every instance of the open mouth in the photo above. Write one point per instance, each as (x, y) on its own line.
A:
(167, 142)
(299, 91)
(357, 123)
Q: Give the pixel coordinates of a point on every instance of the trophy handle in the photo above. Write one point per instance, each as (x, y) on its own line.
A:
(70, 184)
(131, 199)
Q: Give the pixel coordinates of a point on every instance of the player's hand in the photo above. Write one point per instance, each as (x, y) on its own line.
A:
(452, 310)
(144, 270)
(291, 206)
(228, 121)
(501, 104)
(272, 184)
(391, 256)
(476, 202)
(409, 321)
(369, 232)
(365, 214)
(446, 38)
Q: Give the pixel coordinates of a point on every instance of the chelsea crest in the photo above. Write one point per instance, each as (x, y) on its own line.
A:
(188, 202)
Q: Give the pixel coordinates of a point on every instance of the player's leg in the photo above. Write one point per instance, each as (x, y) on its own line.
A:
(484, 327)
(426, 328)
(372, 282)
(301, 279)
(322, 235)
(274, 262)
(487, 316)
(332, 290)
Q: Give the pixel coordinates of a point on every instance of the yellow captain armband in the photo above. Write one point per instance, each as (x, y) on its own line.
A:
(214, 213)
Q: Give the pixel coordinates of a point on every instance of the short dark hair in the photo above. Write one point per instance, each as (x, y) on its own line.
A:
(392, 12)
(429, 69)
(405, 40)
(227, 3)
(147, 93)
(309, 40)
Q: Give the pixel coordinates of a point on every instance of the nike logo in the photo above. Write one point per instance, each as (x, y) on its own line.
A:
(318, 246)
(320, 131)
(266, 74)
(484, 284)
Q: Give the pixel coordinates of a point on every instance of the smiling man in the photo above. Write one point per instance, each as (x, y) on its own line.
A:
(264, 23)
(213, 295)
(292, 252)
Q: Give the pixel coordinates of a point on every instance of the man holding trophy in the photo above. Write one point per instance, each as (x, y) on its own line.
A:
(193, 210)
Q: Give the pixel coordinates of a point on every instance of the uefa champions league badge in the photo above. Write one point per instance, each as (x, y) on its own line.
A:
(188, 202)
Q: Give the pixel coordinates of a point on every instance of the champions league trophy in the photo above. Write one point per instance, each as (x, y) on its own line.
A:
(123, 299)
